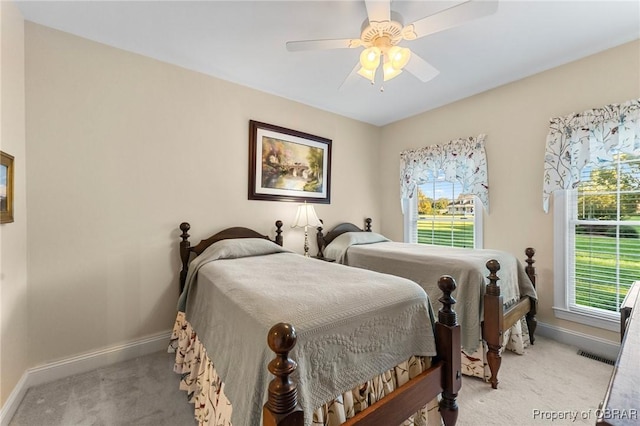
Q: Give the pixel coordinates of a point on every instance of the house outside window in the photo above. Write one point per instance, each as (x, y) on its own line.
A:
(443, 189)
(442, 216)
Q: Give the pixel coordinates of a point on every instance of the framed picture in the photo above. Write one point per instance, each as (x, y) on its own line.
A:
(6, 188)
(287, 165)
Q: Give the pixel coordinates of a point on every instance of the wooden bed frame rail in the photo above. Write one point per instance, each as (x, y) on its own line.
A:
(444, 377)
(496, 318)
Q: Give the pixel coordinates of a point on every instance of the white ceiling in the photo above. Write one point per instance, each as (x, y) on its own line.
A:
(244, 42)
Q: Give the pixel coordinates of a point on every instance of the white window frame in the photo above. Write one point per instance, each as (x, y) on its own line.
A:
(410, 209)
(562, 306)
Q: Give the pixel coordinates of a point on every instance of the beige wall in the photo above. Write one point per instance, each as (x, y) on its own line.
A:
(13, 236)
(515, 119)
(122, 148)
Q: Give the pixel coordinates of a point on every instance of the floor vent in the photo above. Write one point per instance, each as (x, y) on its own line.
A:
(595, 357)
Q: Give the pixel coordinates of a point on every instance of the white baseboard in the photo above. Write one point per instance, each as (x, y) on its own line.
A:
(594, 345)
(80, 364)
(15, 397)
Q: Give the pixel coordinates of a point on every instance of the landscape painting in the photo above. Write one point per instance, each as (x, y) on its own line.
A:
(288, 165)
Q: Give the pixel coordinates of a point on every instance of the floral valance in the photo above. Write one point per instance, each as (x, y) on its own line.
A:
(592, 137)
(463, 161)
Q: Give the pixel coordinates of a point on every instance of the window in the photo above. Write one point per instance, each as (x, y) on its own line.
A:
(441, 215)
(592, 170)
(443, 189)
(600, 239)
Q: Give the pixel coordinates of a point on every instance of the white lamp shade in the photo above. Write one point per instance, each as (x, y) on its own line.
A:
(389, 71)
(399, 56)
(306, 216)
(368, 74)
(370, 58)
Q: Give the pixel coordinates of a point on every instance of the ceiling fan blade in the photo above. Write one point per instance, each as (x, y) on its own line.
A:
(449, 18)
(351, 78)
(296, 46)
(378, 10)
(423, 70)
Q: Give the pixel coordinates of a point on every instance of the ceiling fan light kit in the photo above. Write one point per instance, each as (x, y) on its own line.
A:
(382, 50)
(383, 30)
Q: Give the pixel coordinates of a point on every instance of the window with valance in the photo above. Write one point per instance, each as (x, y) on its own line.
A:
(448, 178)
(462, 161)
(594, 137)
(592, 170)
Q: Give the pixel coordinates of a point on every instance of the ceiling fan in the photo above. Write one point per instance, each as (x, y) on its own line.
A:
(383, 31)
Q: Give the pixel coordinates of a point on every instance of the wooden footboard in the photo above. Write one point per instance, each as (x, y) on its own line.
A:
(497, 319)
(444, 377)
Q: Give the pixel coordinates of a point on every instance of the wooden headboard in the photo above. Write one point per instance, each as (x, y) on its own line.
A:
(236, 232)
(324, 240)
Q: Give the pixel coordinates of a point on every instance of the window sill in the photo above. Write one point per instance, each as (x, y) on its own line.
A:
(593, 321)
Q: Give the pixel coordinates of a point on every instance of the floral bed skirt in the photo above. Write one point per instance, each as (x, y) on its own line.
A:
(515, 339)
(205, 390)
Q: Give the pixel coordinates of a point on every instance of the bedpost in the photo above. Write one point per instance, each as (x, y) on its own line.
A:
(279, 239)
(184, 252)
(448, 346)
(532, 322)
(282, 408)
(320, 240)
(530, 269)
(367, 224)
(493, 326)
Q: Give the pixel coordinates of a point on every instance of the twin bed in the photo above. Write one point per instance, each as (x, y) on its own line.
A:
(490, 316)
(368, 349)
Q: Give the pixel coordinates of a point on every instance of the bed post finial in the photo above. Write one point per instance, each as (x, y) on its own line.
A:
(279, 239)
(530, 269)
(493, 288)
(282, 406)
(184, 252)
(185, 227)
(446, 315)
(320, 240)
(367, 224)
(447, 339)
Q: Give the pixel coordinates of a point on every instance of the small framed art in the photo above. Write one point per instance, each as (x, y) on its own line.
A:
(6, 187)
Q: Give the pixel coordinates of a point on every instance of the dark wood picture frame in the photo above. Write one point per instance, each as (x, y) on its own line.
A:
(288, 165)
(6, 187)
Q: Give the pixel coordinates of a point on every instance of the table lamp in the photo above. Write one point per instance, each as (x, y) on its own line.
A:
(305, 217)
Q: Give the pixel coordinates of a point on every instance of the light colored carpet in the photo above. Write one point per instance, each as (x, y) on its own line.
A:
(550, 377)
(141, 391)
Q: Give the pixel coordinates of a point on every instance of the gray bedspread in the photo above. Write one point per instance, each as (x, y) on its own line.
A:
(352, 324)
(425, 264)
